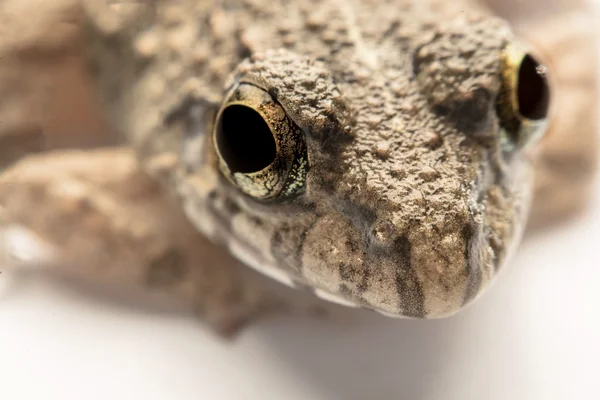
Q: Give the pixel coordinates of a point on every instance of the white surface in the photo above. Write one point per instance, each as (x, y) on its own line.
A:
(534, 335)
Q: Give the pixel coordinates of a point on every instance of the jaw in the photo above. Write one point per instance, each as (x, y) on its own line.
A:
(428, 272)
(428, 261)
(427, 267)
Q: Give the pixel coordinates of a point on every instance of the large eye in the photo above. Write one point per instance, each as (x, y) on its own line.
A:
(524, 98)
(260, 149)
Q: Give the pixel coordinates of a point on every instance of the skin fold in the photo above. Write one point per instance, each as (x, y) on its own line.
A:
(102, 206)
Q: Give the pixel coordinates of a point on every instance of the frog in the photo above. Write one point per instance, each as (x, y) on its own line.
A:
(375, 154)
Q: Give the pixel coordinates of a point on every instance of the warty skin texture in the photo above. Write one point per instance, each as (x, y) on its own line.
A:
(410, 205)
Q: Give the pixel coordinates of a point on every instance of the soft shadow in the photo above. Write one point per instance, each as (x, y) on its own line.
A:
(372, 358)
(380, 358)
(126, 298)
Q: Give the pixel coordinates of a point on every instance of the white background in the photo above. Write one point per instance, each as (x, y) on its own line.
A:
(534, 335)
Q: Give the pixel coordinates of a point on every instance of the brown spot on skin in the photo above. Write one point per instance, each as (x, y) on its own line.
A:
(316, 20)
(398, 173)
(357, 274)
(383, 231)
(382, 150)
(407, 283)
(428, 174)
(167, 270)
(475, 273)
(432, 140)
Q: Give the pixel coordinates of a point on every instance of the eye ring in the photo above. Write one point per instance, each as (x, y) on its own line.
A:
(259, 148)
(524, 99)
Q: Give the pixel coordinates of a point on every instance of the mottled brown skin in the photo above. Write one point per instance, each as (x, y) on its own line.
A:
(409, 207)
(387, 220)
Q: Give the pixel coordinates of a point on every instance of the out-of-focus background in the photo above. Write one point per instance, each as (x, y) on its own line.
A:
(534, 335)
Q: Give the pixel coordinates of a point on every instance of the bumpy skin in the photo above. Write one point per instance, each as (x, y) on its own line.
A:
(409, 207)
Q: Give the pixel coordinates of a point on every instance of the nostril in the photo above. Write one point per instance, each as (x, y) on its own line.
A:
(383, 231)
(472, 113)
(477, 105)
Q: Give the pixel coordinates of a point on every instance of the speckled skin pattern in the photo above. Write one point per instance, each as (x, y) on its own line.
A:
(410, 207)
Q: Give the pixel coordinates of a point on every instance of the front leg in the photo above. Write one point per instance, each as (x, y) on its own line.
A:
(112, 224)
(46, 92)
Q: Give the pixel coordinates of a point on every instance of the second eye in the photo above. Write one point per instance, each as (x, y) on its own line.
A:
(524, 98)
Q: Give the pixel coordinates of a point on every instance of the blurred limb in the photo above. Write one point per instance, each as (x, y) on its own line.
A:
(45, 87)
(109, 224)
(567, 163)
(100, 219)
(523, 12)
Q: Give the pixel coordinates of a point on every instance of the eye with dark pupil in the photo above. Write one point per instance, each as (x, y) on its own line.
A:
(533, 93)
(245, 140)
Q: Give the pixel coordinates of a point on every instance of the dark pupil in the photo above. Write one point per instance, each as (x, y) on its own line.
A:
(533, 92)
(244, 140)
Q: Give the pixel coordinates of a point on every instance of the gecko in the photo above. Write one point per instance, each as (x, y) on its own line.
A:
(377, 154)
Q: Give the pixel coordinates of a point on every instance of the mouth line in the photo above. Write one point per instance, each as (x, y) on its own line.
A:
(251, 257)
(214, 219)
(215, 225)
